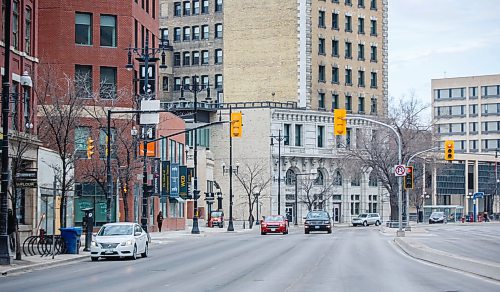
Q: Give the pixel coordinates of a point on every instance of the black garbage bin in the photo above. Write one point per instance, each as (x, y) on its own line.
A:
(71, 237)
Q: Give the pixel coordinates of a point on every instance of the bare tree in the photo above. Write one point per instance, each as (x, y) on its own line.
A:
(313, 192)
(255, 179)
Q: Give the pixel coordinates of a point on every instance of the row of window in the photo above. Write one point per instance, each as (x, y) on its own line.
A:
(348, 103)
(347, 77)
(17, 26)
(83, 29)
(145, 4)
(459, 110)
(348, 50)
(459, 128)
(196, 58)
(460, 93)
(348, 23)
(361, 3)
(193, 33)
(187, 8)
(486, 145)
(84, 81)
(203, 80)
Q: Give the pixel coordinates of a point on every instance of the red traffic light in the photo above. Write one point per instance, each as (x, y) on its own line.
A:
(409, 169)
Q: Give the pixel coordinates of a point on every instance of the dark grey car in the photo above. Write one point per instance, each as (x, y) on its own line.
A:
(318, 221)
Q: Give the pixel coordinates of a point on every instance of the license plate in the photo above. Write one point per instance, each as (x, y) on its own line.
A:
(108, 251)
(316, 227)
(273, 229)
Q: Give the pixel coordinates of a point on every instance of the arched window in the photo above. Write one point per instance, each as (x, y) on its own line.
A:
(373, 181)
(356, 179)
(320, 178)
(290, 177)
(337, 178)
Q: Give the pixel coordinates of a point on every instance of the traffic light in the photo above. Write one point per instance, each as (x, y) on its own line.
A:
(236, 124)
(339, 122)
(409, 178)
(449, 150)
(90, 148)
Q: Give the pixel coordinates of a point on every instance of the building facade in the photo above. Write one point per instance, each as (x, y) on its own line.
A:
(466, 110)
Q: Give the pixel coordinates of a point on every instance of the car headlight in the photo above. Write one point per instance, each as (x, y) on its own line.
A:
(326, 222)
(128, 242)
(93, 243)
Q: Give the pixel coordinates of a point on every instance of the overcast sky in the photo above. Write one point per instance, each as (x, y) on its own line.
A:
(431, 39)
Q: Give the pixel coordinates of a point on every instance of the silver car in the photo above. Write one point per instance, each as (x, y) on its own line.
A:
(366, 219)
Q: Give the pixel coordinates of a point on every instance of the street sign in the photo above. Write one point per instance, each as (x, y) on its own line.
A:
(26, 184)
(27, 174)
(478, 195)
(150, 118)
(400, 170)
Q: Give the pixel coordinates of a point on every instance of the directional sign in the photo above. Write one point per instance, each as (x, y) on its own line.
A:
(26, 184)
(400, 170)
(478, 195)
(27, 174)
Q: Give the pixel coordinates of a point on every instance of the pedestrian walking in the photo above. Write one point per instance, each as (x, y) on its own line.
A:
(159, 219)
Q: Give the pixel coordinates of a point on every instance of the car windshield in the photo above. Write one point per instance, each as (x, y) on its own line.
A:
(363, 215)
(317, 215)
(437, 214)
(216, 214)
(112, 230)
(274, 219)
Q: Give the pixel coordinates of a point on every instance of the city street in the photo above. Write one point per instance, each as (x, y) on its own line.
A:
(350, 259)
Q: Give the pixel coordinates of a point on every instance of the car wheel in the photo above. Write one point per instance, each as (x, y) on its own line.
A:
(377, 223)
(354, 225)
(306, 231)
(262, 233)
(286, 232)
(134, 253)
(365, 223)
(94, 259)
(146, 250)
(329, 230)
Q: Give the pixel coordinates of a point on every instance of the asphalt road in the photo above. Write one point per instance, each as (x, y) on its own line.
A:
(350, 259)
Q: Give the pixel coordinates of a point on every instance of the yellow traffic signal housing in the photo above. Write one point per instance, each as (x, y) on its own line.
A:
(449, 150)
(90, 148)
(236, 124)
(409, 178)
(339, 122)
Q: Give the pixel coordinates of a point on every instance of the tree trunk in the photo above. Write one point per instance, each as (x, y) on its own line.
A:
(250, 221)
(394, 212)
(18, 243)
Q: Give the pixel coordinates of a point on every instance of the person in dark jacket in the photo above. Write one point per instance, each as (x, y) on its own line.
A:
(159, 220)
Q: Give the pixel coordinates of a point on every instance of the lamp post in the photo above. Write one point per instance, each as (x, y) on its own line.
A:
(257, 201)
(195, 88)
(278, 138)
(230, 170)
(295, 222)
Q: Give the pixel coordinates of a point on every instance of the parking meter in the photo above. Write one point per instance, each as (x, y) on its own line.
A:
(88, 226)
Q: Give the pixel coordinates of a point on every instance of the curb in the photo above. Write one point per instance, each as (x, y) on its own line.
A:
(422, 252)
(43, 265)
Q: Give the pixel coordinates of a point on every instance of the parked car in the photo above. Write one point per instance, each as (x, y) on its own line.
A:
(366, 219)
(274, 224)
(318, 221)
(121, 239)
(437, 217)
(216, 219)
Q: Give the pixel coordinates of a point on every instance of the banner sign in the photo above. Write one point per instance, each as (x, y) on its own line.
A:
(156, 176)
(165, 180)
(183, 181)
(174, 180)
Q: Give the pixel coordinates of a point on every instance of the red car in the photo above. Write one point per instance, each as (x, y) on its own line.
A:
(274, 224)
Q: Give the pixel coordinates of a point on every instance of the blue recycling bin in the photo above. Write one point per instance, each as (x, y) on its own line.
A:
(71, 237)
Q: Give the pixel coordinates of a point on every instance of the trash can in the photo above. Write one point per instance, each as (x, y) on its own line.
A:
(71, 237)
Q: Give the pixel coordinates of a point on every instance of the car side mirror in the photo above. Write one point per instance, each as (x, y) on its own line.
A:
(137, 233)
(303, 217)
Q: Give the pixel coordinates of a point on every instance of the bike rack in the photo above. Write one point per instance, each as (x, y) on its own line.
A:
(43, 245)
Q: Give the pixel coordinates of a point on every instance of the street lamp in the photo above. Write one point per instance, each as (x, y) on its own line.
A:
(278, 138)
(257, 201)
(230, 171)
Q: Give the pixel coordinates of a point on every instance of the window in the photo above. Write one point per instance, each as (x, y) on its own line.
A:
(373, 4)
(373, 27)
(335, 75)
(335, 21)
(27, 33)
(372, 180)
(186, 82)
(361, 104)
(321, 46)
(473, 145)
(108, 82)
(204, 7)
(348, 139)
(204, 57)
(177, 59)
(373, 54)
(321, 19)
(15, 25)
(348, 2)
(205, 32)
(177, 83)
(83, 81)
(493, 90)
(108, 30)
(335, 48)
(218, 56)
(290, 177)
(335, 101)
(348, 23)
(298, 135)
(348, 77)
(83, 29)
(196, 7)
(187, 8)
(187, 33)
(348, 103)
(361, 52)
(218, 5)
(164, 35)
(348, 50)
(218, 81)
(186, 58)
(321, 100)
(361, 78)
(164, 83)
(177, 34)
(321, 137)
(177, 9)
(373, 106)
(473, 110)
(337, 177)
(286, 134)
(472, 127)
(196, 33)
(473, 92)
(373, 80)
(361, 25)
(196, 58)
(81, 136)
(218, 31)
(321, 73)
(204, 81)
(361, 3)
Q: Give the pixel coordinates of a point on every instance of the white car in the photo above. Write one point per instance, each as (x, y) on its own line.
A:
(120, 240)
(366, 219)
